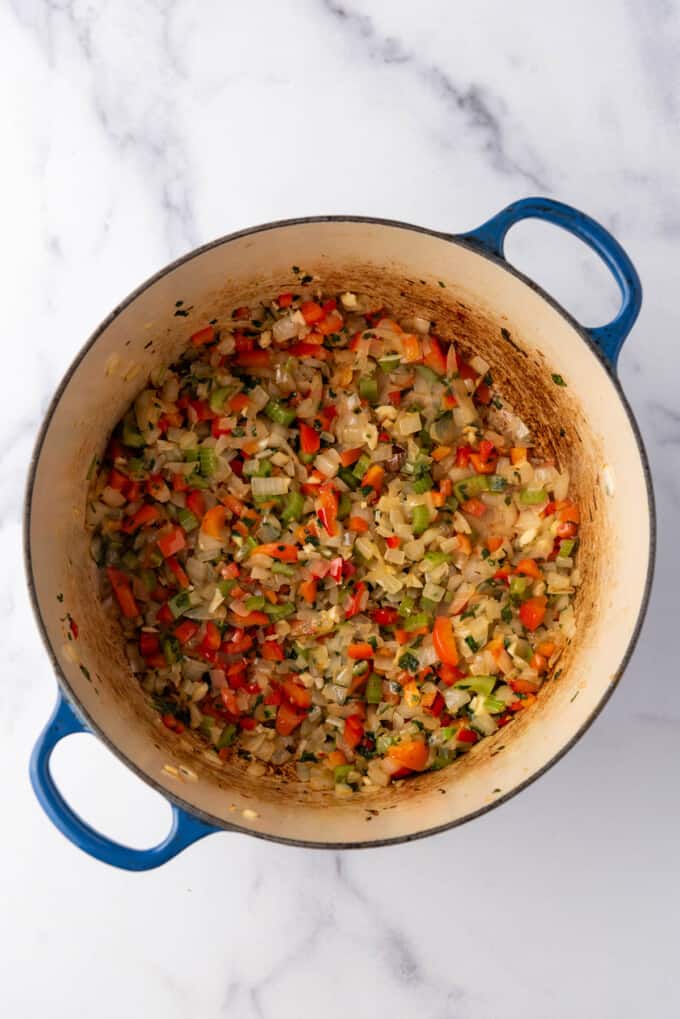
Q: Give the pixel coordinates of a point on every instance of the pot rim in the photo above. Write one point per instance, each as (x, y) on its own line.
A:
(476, 248)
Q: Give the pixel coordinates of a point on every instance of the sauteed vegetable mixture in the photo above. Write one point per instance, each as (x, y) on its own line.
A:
(330, 545)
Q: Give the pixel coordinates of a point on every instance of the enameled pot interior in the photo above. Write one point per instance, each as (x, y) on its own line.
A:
(486, 308)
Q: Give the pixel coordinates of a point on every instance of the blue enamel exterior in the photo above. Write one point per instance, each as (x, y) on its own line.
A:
(490, 236)
(185, 829)
(183, 832)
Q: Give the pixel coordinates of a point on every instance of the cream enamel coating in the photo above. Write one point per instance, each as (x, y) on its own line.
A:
(526, 339)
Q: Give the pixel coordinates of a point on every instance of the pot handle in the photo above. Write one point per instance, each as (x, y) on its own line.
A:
(184, 830)
(491, 236)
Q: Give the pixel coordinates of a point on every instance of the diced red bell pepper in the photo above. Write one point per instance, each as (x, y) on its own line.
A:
(146, 514)
(463, 456)
(272, 651)
(247, 722)
(302, 349)
(117, 480)
(212, 638)
(310, 440)
(353, 604)
(284, 300)
(202, 410)
(123, 592)
(466, 736)
(327, 511)
(312, 312)
(254, 360)
(196, 503)
(176, 568)
(186, 630)
(385, 616)
(203, 336)
(172, 542)
(148, 644)
(164, 614)
(353, 732)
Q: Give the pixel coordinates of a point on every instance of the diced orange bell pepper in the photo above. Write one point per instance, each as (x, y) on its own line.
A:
(493, 543)
(518, 454)
(532, 612)
(288, 719)
(213, 521)
(474, 507)
(441, 452)
(308, 590)
(358, 525)
(360, 651)
(328, 509)
(277, 550)
(203, 336)
(311, 312)
(373, 478)
(350, 456)
(444, 641)
(412, 754)
(410, 347)
(528, 568)
(297, 694)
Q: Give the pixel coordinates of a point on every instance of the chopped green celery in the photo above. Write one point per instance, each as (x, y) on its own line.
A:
(190, 455)
(421, 520)
(196, 481)
(264, 469)
(423, 484)
(307, 458)
(344, 506)
(129, 560)
(228, 736)
(345, 474)
(437, 558)
(416, 621)
(226, 587)
(279, 413)
(208, 461)
(374, 689)
(255, 603)
(427, 605)
(360, 668)
(442, 760)
(283, 568)
(389, 363)
(187, 520)
(131, 435)
(471, 486)
(493, 705)
(148, 578)
(293, 507)
(341, 772)
(260, 500)
(136, 468)
(279, 611)
(518, 587)
(179, 603)
(219, 396)
(428, 373)
(480, 684)
(206, 725)
(361, 466)
(566, 547)
(368, 388)
(406, 606)
(532, 496)
(246, 548)
(451, 505)
(172, 511)
(170, 646)
(448, 732)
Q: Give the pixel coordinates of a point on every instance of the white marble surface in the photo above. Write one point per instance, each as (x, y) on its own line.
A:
(134, 131)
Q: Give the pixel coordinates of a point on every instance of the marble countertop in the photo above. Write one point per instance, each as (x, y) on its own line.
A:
(133, 132)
